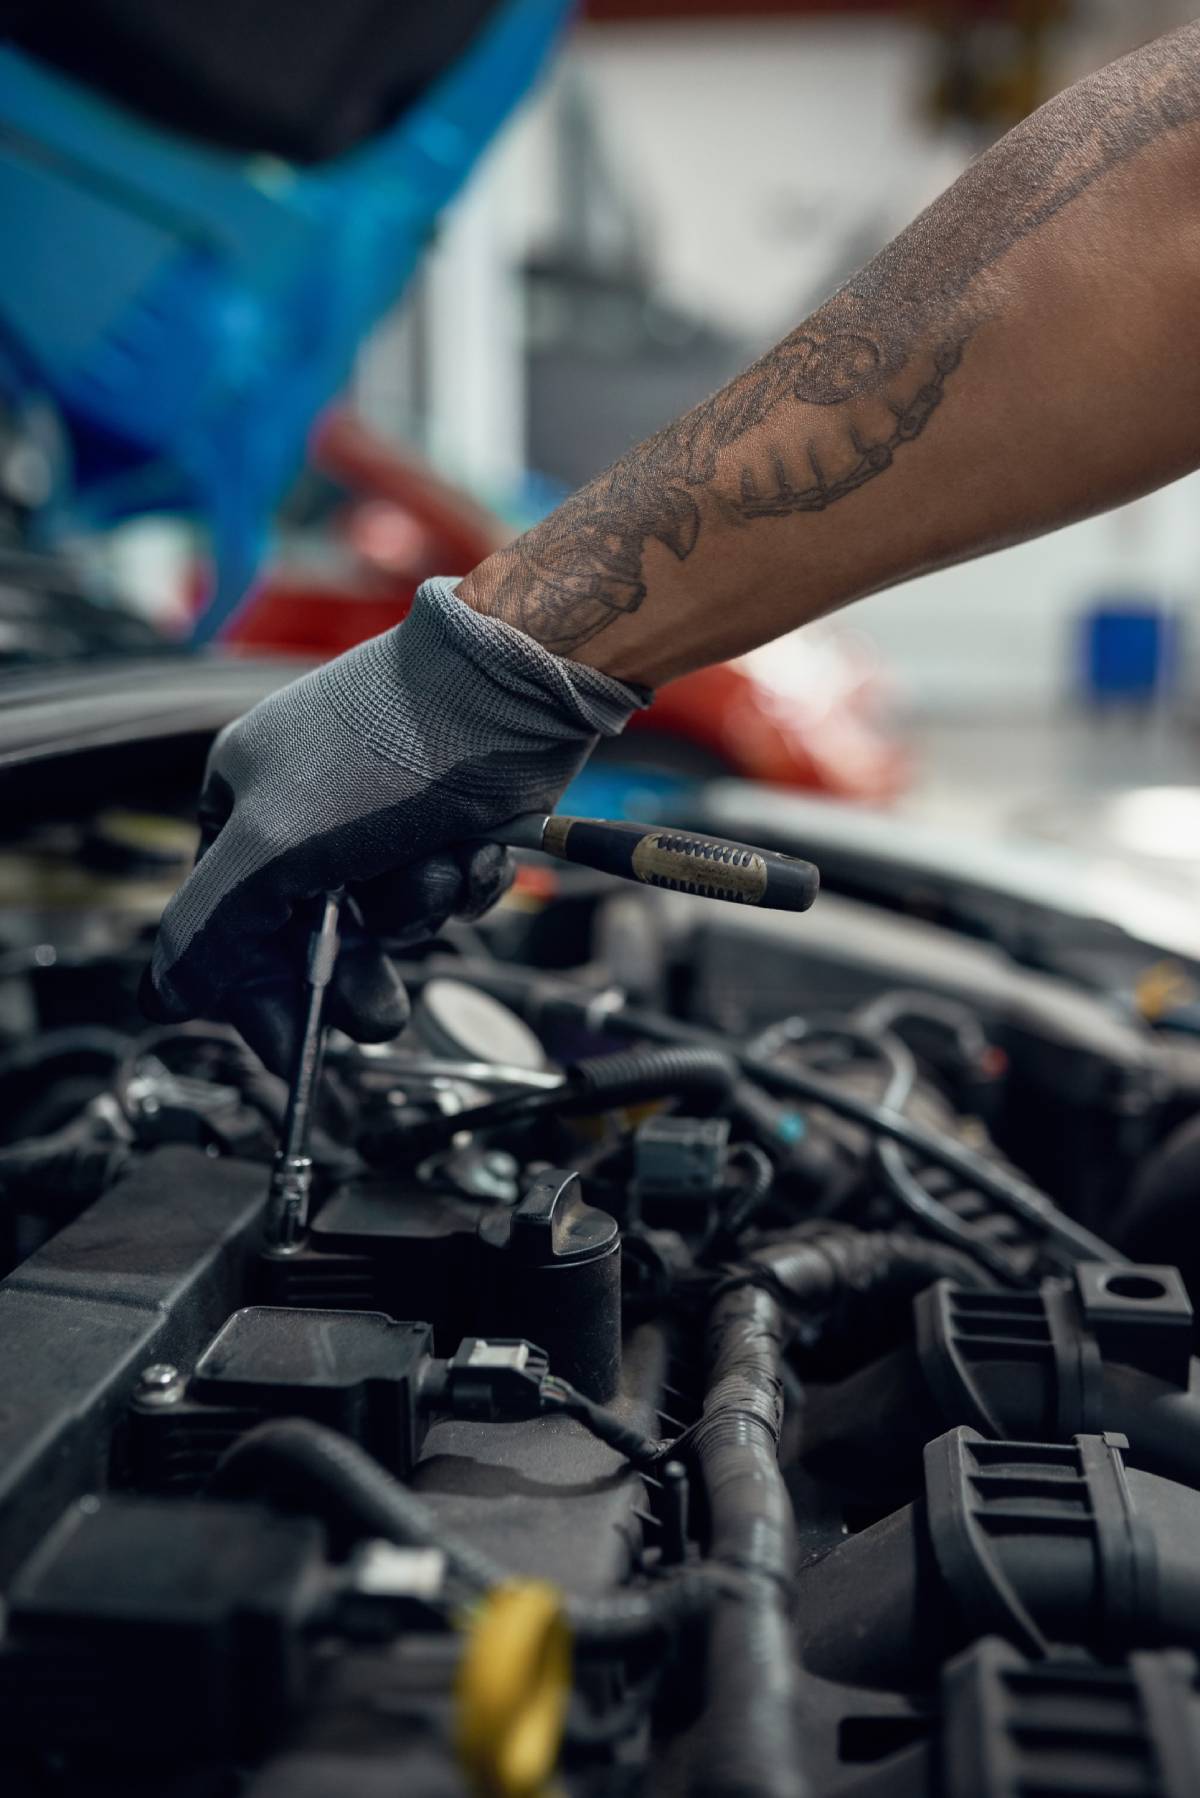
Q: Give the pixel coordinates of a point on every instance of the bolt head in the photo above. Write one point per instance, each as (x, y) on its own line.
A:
(158, 1376)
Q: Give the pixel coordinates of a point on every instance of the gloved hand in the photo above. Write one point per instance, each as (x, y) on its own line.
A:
(375, 773)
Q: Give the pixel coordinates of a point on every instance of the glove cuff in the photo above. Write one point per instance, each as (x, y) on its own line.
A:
(591, 701)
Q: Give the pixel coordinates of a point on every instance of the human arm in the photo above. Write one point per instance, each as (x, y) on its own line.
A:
(1027, 352)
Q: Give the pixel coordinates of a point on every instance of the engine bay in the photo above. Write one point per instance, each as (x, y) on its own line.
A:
(727, 1355)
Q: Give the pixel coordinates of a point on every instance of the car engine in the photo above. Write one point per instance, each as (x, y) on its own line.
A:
(726, 1355)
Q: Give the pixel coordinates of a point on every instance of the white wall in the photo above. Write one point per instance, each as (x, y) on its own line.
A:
(759, 155)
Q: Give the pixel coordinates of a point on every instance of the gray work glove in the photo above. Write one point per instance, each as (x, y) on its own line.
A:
(378, 772)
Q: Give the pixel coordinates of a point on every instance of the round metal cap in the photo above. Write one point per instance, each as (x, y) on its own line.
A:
(459, 1023)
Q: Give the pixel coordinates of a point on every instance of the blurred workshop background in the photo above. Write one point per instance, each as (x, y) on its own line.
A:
(669, 186)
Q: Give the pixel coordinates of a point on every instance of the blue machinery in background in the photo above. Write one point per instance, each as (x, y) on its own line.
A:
(189, 310)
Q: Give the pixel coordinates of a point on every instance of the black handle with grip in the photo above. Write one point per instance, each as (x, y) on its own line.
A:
(685, 861)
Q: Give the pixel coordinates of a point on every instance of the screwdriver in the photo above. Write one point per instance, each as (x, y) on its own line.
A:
(291, 1176)
(683, 860)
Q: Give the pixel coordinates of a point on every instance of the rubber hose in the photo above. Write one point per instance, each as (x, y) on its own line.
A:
(634, 1075)
(748, 1739)
(749, 1745)
(750, 1199)
(303, 1465)
(702, 1076)
(1161, 1422)
(815, 1269)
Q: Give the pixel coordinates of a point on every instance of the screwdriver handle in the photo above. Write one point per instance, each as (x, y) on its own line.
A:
(683, 860)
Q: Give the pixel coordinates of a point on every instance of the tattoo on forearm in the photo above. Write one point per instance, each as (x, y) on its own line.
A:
(784, 496)
(885, 346)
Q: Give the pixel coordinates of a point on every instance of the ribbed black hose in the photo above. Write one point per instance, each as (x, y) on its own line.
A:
(305, 1466)
(699, 1075)
(821, 1267)
(748, 1742)
(659, 1071)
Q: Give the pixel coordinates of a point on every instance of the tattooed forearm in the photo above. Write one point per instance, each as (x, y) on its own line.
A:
(785, 496)
(831, 407)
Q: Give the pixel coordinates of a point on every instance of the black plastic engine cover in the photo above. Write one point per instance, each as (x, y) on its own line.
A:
(147, 1274)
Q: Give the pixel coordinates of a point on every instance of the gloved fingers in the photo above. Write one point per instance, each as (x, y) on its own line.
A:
(489, 869)
(409, 905)
(214, 932)
(233, 949)
(265, 1010)
(213, 810)
(366, 996)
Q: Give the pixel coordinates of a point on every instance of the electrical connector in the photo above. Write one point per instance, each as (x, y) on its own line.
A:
(488, 1379)
(494, 1381)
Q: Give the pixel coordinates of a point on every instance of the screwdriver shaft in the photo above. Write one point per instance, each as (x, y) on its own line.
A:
(291, 1176)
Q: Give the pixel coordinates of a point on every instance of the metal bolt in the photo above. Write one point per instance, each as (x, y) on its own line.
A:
(674, 1501)
(160, 1383)
(158, 1375)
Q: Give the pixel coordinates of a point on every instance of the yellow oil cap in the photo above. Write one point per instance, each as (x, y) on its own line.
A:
(1162, 988)
(514, 1681)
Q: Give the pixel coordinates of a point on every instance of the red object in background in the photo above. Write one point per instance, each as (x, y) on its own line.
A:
(402, 523)
(759, 732)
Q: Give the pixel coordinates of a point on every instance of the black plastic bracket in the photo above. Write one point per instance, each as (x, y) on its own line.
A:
(964, 1477)
(1031, 1364)
(1066, 1725)
(1010, 1362)
(1140, 1316)
(354, 1371)
(982, 1495)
